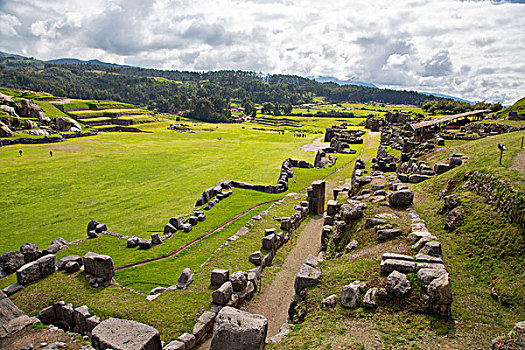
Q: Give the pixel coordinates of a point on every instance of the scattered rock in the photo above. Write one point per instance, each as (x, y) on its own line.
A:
(222, 295)
(132, 242)
(351, 246)
(385, 234)
(61, 263)
(99, 265)
(454, 218)
(185, 279)
(398, 284)
(239, 280)
(371, 222)
(403, 198)
(306, 277)
(369, 301)
(329, 301)
(155, 239)
(30, 251)
(11, 261)
(350, 296)
(440, 295)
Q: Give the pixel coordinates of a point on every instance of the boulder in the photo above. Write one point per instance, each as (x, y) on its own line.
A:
(30, 251)
(440, 295)
(91, 323)
(351, 246)
(175, 345)
(132, 242)
(389, 265)
(239, 280)
(398, 284)
(188, 340)
(268, 242)
(185, 278)
(81, 315)
(47, 315)
(208, 319)
(92, 225)
(371, 222)
(61, 263)
(415, 236)
(331, 207)
(312, 261)
(238, 330)
(46, 264)
(270, 231)
(454, 218)
(11, 261)
(169, 229)
(351, 211)
(28, 273)
(454, 162)
(385, 234)
(421, 243)
(101, 228)
(5, 131)
(120, 334)
(350, 296)
(329, 301)
(145, 243)
(186, 227)
(92, 234)
(307, 276)
(219, 276)
(369, 301)
(222, 295)
(175, 222)
(440, 168)
(193, 220)
(52, 249)
(432, 248)
(426, 276)
(13, 288)
(99, 265)
(71, 267)
(395, 256)
(403, 198)
(64, 123)
(155, 239)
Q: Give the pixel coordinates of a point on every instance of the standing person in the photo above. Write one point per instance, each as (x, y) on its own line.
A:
(20, 152)
(51, 153)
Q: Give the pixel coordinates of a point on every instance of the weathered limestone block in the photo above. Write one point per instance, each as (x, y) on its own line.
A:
(61, 263)
(30, 251)
(11, 261)
(28, 273)
(238, 330)
(306, 277)
(389, 265)
(398, 284)
(120, 334)
(47, 265)
(239, 280)
(222, 295)
(426, 276)
(440, 295)
(185, 278)
(369, 301)
(329, 301)
(219, 276)
(350, 296)
(99, 265)
(403, 198)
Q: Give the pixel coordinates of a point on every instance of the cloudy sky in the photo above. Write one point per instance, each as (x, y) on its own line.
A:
(470, 49)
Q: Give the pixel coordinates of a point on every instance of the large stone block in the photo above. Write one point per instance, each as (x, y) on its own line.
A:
(28, 273)
(219, 276)
(238, 330)
(307, 276)
(350, 296)
(222, 295)
(120, 334)
(99, 265)
(47, 265)
(30, 251)
(404, 266)
(11, 261)
(403, 198)
(61, 263)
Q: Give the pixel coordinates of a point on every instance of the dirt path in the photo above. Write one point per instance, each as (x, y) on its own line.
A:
(275, 298)
(519, 163)
(316, 145)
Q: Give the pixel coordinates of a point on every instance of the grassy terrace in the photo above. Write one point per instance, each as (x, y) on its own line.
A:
(134, 183)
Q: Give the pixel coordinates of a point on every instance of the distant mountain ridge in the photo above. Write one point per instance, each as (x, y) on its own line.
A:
(93, 62)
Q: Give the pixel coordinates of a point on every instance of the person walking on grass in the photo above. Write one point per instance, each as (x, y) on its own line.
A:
(20, 152)
(51, 153)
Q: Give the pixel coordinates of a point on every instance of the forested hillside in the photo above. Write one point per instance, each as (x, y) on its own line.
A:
(169, 91)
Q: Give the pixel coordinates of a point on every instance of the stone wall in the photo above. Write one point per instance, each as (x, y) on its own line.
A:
(507, 200)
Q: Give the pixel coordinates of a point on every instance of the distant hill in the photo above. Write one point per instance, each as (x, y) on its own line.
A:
(446, 96)
(518, 106)
(77, 61)
(328, 79)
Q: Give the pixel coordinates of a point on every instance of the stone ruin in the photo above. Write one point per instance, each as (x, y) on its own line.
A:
(340, 139)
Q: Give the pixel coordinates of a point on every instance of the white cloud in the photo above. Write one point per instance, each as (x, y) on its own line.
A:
(470, 49)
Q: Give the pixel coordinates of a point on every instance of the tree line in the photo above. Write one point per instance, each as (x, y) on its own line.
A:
(205, 95)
